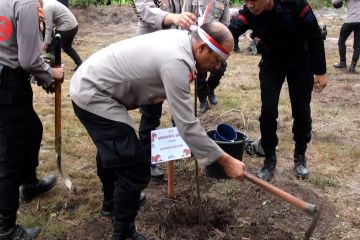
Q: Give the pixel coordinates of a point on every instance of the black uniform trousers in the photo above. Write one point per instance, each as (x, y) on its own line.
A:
(67, 38)
(300, 84)
(205, 86)
(345, 31)
(20, 137)
(121, 162)
(150, 120)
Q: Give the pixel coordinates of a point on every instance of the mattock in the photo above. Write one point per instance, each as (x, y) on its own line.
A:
(309, 208)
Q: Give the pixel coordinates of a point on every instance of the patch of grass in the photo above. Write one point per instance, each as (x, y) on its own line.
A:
(322, 181)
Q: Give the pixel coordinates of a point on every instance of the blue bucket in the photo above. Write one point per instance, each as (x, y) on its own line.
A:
(225, 133)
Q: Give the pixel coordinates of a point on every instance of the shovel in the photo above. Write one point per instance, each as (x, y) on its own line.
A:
(66, 179)
(307, 207)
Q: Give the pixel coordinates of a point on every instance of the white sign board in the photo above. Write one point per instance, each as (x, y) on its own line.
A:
(167, 145)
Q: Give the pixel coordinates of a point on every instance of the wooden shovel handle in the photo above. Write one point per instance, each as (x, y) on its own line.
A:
(307, 207)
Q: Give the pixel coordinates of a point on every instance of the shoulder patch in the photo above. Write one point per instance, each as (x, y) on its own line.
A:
(6, 28)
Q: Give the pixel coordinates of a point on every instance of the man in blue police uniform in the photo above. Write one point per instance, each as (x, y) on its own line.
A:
(292, 47)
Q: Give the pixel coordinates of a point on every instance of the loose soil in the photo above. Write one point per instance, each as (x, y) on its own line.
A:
(229, 209)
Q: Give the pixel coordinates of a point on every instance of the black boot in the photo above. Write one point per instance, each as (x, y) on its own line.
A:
(300, 166)
(126, 231)
(267, 171)
(340, 64)
(352, 67)
(31, 191)
(107, 209)
(212, 97)
(10, 231)
(236, 48)
(156, 173)
(204, 106)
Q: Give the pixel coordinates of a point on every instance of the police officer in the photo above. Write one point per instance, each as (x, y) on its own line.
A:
(154, 16)
(63, 20)
(20, 127)
(351, 24)
(292, 47)
(218, 10)
(138, 71)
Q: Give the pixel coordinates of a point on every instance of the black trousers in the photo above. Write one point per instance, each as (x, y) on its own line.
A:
(67, 38)
(150, 120)
(345, 31)
(209, 85)
(20, 137)
(300, 84)
(121, 162)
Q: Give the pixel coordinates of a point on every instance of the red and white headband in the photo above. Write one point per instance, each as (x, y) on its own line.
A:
(210, 41)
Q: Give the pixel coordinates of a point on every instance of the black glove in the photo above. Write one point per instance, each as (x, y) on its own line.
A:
(50, 88)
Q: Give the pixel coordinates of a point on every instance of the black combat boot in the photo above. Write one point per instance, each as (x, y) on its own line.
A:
(212, 97)
(156, 173)
(340, 64)
(352, 67)
(107, 209)
(29, 191)
(300, 166)
(204, 106)
(126, 231)
(267, 171)
(10, 231)
(236, 48)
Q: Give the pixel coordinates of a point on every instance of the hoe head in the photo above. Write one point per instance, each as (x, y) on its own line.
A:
(315, 213)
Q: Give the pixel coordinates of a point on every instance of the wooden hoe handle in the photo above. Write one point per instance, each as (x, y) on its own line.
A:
(307, 207)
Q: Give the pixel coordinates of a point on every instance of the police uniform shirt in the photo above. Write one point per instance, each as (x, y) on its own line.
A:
(144, 70)
(152, 15)
(289, 35)
(219, 10)
(59, 16)
(21, 38)
(353, 12)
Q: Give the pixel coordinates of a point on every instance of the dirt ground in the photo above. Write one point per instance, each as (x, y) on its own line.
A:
(230, 209)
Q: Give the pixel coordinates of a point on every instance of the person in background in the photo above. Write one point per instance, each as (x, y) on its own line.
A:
(61, 18)
(213, 10)
(234, 13)
(351, 24)
(292, 48)
(154, 16)
(135, 72)
(64, 2)
(21, 23)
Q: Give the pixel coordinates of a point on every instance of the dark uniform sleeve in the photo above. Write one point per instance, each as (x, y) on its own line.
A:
(313, 38)
(240, 24)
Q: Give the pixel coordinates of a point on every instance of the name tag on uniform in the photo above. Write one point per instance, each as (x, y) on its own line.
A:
(219, 5)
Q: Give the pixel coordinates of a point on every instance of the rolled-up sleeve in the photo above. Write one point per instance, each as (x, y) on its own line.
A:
(150, 14)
